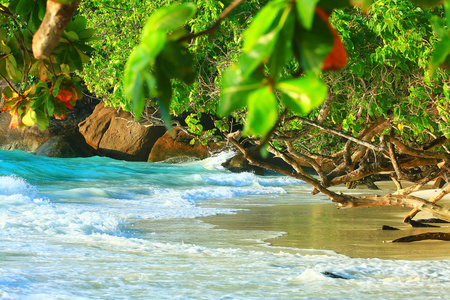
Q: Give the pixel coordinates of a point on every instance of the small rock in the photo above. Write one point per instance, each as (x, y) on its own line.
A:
(386, 227)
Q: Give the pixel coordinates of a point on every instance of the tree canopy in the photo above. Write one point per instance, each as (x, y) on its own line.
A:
(355, 89)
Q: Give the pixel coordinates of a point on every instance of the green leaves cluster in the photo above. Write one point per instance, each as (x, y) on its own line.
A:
(441, 51)
(38, 90)
(281, 30)
(389, 72)
(158, 59)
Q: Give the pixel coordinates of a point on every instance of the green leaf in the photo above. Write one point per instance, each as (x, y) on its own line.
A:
(440, 53)
(75, 58)
(333, 4)
(282, 51)
(42, 7)
(40, 100)
(303, 94)
(77, 25)
(164, 98)
(314, 45)
(169, 18)
(62, 57)
(86, 34)
(57, 85)
(24, 7)
(11, 68)
(259, 49)
(152, 44)
(34, 21)
(438, 26)
(34, 70)
(260, 53)
(261, 25)
(149, 84)
(42, 120)
(137, 61)
(50, 107)
(235, 90)
(4, 48)
(305, 12)
(8, 93)
(136, 93)
(176, 62)
(72, 36)
(137, 70)
(3, 34)
(262, 112)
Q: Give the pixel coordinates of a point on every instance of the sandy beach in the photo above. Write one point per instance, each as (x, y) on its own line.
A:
(353, 232)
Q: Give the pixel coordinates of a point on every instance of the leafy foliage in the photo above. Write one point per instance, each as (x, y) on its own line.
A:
(210, 54)
(39, 89)
(279, 30)
(390, 59)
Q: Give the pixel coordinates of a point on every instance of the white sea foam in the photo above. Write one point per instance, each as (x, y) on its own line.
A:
(190, 196)
(12, 185)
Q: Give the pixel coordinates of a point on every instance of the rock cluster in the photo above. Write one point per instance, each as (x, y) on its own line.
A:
(95, 129)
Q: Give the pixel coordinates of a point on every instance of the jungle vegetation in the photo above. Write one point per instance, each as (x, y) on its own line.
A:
(356, 89)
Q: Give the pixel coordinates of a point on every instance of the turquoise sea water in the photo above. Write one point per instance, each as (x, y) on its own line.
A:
(96, 228)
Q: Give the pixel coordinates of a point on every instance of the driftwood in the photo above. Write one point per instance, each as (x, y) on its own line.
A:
(443, 236)
(360, 159)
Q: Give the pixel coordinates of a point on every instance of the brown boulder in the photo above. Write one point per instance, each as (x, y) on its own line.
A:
(95, 126)
(178, 146)
(114, 134)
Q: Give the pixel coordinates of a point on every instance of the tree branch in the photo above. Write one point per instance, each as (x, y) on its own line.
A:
(418, 153)
(335, 132)
(396, 200)
(213, 28)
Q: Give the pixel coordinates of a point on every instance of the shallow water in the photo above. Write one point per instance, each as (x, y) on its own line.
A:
(97, 228)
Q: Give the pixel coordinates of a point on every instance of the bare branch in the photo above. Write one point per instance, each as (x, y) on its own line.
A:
(335, 132)
(213, 28)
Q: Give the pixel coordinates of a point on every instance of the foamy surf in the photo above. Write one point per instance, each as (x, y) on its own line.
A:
(102, 229)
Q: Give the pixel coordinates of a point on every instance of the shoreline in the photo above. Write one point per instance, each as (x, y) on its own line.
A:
(355, 232)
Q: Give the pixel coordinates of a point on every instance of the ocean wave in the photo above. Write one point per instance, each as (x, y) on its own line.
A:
(13, 185)
(200, 193)
(249, 179)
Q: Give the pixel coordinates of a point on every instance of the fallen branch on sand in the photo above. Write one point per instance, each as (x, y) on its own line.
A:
(443, 236)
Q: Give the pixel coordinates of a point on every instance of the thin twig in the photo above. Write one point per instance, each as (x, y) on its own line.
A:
(211, 30)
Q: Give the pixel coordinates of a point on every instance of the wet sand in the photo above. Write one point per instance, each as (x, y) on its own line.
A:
(355, 232)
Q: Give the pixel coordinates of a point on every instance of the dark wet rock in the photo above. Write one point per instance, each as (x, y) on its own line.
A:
(387, 227)
(432, 220)
(334, 275)
(239, 164)
(66, 147)
(420, 224)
